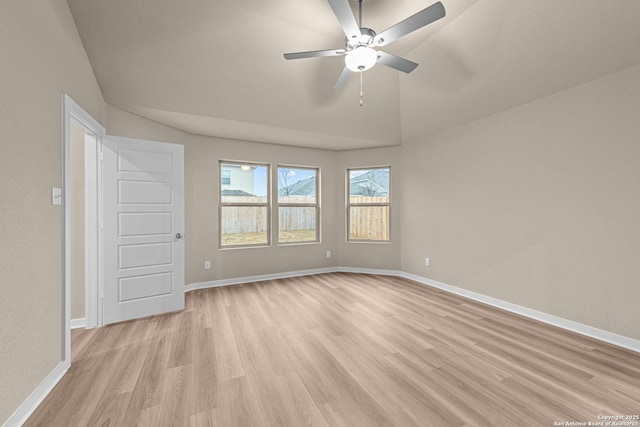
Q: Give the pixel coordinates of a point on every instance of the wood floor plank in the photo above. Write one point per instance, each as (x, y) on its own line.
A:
(203, 380)
(148, 389)
(225, 344)
(111, 411)
(335, 350)
(298, 404)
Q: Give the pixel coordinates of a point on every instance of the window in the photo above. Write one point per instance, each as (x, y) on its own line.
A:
(226, 177)
(244, 205)
(298, 207)
(368, 204)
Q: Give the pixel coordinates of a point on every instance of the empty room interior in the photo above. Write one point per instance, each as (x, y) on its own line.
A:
(320, 212)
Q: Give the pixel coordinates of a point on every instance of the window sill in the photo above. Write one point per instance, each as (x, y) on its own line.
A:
(315, 242)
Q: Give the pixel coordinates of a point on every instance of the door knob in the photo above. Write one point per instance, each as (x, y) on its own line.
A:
(179, 236)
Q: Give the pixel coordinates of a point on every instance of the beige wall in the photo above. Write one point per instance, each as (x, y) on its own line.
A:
(42, 56)
(385, 256)
(76, 167)
(538, 205)
(201, 201)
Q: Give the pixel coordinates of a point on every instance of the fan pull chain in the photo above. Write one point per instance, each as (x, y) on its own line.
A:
(361, 91)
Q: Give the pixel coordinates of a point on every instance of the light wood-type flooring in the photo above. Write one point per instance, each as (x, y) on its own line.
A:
(338, 350)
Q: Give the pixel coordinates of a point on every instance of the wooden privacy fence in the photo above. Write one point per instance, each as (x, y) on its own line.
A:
(296, 218)
(368, 222)
(250, 219)
(244, 219)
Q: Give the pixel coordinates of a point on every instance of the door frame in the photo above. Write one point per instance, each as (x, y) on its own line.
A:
(73, 113)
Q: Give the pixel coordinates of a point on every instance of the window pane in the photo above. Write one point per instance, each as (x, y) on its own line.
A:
(297, 224)
(226, 177)
(243, 183)
(369, 185)
(297, 185)
(369, 223)
(243, 225)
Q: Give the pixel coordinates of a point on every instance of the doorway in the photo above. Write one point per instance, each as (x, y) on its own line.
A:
(77, 249)
(80, 189)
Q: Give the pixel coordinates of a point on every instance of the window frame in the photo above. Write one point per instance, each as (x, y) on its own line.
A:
(349, 205)
(315, 205)
(222, 205)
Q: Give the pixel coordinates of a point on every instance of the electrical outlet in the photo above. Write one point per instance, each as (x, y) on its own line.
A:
(207, 265)
(328, 254)
(427, 262)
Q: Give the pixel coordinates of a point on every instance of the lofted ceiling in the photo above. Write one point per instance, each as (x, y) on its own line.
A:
(215, 67)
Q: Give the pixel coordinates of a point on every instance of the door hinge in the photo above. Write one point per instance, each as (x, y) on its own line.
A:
(100, 155)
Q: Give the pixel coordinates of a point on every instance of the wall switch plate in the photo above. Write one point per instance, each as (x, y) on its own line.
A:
(207, 265)
(328, 254)
(56, 196)
(427, 262)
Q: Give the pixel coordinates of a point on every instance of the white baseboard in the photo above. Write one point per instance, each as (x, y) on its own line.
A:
(369, 271)
(77, 323)
(589, 331)
(37, 396)
(599, 334)
(260, 278)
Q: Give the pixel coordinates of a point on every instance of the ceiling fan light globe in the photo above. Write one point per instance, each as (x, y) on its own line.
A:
(361, 58)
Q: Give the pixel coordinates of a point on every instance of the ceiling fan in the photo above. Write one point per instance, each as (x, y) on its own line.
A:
(360, 42)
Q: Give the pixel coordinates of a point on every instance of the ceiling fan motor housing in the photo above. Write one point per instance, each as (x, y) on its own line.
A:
(360, 54)
(366, 37)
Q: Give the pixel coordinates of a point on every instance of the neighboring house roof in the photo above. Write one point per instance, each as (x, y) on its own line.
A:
(305, 187)
(374, 183)
(236, 193)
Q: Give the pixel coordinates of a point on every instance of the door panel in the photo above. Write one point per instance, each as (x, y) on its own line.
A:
(143, 202)
(144, 192)
(145, 224)
(145, 161)
(138, 287)
(146, 255)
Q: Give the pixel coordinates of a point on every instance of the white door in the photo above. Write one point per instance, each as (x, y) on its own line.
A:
(143, 227)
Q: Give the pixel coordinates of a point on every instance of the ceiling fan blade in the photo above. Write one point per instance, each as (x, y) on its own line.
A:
(412, 23)
(396, 62)
(314, 54)
(344, 77)
(343, 12)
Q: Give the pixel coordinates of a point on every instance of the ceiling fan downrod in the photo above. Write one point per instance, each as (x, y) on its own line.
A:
(360, 24)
